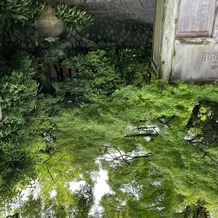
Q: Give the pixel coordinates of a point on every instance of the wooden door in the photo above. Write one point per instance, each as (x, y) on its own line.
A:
(196, 18)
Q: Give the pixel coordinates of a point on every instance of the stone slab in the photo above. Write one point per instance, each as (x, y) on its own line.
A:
(195, 60)
(196, 18)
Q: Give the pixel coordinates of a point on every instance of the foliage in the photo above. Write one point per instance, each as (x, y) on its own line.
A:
(99, 71)
(84, 199)
(73, 17)
(157, 116)
(27, 131)
(134, 65)
(96, 72)
(120, 131)
(18, 92)
(208, 113)
(157, 141)
(169, 108)
(93, 74)
(13, 12)
(56, 52)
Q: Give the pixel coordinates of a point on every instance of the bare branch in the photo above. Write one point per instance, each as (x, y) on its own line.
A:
(146, 127)
(211, 158)
(47, 169)
(143, 156)
(122, 156)
(126, 158)
(49, 157)
(140, 135)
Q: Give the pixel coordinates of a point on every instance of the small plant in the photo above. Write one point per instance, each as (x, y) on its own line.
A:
(56, 52)
(72, 17)
(134, 64)
(13, 12)
(93, 74)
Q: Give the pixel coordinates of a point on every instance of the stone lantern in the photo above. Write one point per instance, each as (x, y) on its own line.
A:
(48, 25)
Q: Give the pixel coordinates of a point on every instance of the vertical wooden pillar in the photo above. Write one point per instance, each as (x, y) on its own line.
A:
(1, 116)
(164, 37)
(157, 36)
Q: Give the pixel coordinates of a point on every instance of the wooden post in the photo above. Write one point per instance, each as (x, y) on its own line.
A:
(164, 37)
(1, 117)
(157, 37)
